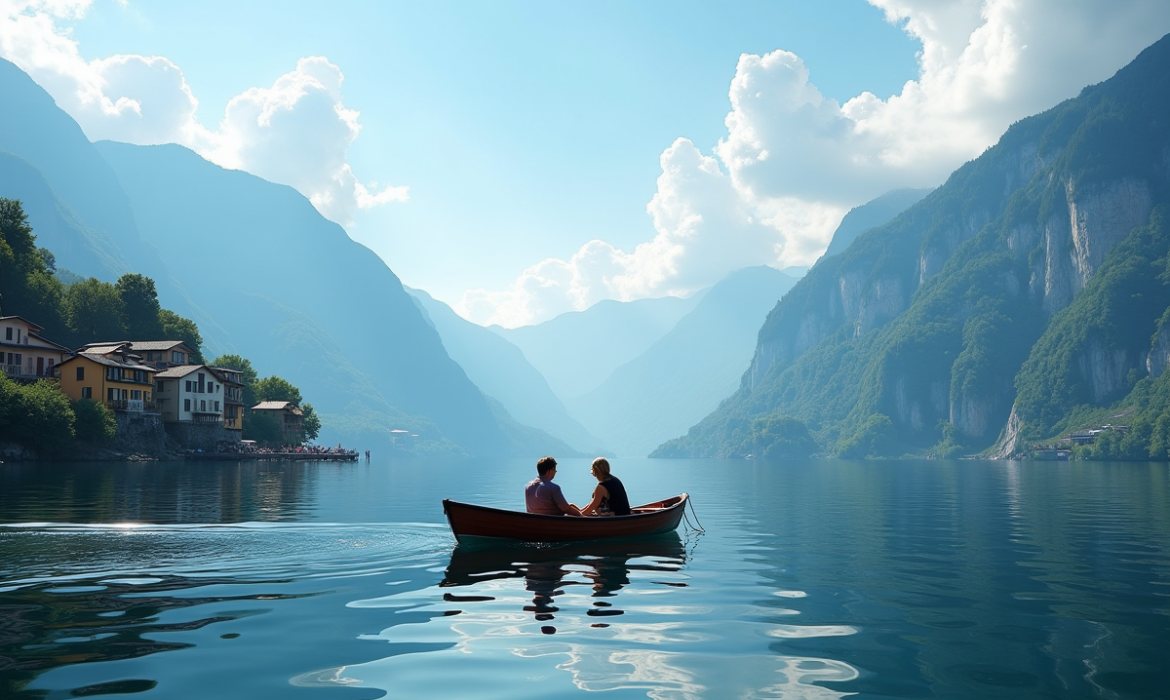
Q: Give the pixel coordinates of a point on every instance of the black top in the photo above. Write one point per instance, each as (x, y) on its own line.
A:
(617, 502)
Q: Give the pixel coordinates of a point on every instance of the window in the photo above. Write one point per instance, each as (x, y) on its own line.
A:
(216, 406)
(87, 392)
(8, 333)
(111, 395)
(203, 404)
(177, 358)
(186, 404)
(136, 394)
(19, 358)
(187, 385)
(80, 373)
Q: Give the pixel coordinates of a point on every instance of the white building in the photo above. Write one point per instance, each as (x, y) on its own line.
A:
(24, 354)
(189, 394)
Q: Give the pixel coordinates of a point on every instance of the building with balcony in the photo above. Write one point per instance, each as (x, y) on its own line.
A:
(160, 354)
(190, 394)
(291, 419)
(24, 354)
(111, 375)
(233, 397)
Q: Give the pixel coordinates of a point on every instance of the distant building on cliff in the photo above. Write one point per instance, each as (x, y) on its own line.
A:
(292, 420)
(190, 394)
(160, 354)
(24, 354)
(109, 374)
(233, 397)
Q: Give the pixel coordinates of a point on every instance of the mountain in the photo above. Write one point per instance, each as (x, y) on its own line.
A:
(576, 351)
(500, 370)
(871, 215)
(86, 219)
(258, 268)
(1023, 298)
(686, 373)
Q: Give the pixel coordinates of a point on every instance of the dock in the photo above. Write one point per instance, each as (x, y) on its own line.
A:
(274, 456)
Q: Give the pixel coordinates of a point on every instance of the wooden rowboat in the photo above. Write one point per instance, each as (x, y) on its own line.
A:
(470, 521)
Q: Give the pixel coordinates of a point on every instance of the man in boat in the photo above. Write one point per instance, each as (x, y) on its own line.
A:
(542, 496)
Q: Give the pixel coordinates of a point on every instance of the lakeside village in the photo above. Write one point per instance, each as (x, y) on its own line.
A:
(159, 398)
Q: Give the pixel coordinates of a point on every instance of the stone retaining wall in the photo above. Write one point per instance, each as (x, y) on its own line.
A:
(201, 436)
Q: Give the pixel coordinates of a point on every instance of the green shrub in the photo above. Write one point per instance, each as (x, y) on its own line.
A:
(94, 421)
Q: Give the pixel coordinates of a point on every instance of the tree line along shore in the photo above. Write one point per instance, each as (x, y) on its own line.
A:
(72, 384)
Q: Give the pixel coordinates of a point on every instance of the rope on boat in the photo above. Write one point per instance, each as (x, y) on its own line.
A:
(696, 526)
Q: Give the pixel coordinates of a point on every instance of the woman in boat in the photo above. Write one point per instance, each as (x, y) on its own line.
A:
(609, 496)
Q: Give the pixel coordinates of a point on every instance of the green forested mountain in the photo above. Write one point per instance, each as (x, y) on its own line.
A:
(1023, 298)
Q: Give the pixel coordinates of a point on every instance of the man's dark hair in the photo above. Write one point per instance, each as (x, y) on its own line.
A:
(545, 465)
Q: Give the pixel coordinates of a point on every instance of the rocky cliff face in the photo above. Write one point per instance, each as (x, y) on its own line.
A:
(929, 318)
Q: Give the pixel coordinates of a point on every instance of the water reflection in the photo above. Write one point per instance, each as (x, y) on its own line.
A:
(602, 568)
(47, 627)
(159, 492)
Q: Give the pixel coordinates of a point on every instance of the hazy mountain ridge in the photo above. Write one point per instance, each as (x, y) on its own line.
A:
(501, 371)
(871, 215)
(914, 337)
(313, 303)
(684, 374)
(578, 350)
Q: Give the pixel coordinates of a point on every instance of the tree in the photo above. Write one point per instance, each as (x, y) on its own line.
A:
(248, 374)
(18, 257)
(277, 389)
(263, 428)
(312, 424)
(48, 419)
(93, 421)
(175, 326)
(142, 311)
(95, 312)
(49, 260)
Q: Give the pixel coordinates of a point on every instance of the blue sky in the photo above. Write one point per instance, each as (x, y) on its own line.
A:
(523, 129)
(535, 136)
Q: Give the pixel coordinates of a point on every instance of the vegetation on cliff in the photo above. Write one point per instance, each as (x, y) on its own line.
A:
(82, 312)
(922, 335)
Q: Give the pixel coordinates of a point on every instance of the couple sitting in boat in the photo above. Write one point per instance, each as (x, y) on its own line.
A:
(544, 497)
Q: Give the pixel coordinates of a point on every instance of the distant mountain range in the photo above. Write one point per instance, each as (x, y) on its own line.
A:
(686, 372)
(577, 351)
(1025, 298)
(502, 372)
(258, 268)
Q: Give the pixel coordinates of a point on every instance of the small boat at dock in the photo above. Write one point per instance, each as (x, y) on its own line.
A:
(472, 521)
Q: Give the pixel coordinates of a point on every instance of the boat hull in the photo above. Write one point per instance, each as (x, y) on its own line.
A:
(471, 521)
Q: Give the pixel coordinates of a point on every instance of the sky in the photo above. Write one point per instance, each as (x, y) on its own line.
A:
(522, 159)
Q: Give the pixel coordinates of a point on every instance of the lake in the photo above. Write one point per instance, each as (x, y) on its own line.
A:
(814, 579)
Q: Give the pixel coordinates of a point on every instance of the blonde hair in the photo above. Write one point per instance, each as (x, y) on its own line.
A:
(601, 464)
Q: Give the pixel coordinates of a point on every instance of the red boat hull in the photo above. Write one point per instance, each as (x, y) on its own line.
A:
(468, 520)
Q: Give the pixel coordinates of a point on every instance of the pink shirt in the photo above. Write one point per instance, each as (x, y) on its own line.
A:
(542, 497)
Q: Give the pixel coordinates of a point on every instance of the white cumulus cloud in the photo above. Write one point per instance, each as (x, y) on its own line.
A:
(296, 132)
(793, 161)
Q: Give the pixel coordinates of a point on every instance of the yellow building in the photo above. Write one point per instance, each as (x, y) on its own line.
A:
(114, 376)
(233, 397)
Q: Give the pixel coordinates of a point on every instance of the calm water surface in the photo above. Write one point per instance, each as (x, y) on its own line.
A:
(817, 579)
